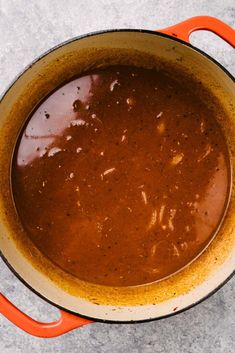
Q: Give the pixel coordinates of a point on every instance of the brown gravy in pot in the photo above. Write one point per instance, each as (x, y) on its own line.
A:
(121, 176)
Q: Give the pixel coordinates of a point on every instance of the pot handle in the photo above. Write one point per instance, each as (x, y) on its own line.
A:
(67, 322)
(183, 29)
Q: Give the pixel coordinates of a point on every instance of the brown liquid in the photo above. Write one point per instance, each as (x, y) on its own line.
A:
(121, 176)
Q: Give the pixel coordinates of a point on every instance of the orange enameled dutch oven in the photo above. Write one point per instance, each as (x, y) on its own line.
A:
(82, 302)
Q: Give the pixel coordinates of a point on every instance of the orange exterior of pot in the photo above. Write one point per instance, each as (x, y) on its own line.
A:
(183, 29)
(68, 322)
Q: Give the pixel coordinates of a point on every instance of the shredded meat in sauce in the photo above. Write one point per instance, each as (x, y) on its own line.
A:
(121, 176)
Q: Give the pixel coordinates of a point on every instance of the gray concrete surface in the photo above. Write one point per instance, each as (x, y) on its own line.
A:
(28, 28)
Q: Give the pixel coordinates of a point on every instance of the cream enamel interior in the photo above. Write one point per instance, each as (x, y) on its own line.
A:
(190, 285)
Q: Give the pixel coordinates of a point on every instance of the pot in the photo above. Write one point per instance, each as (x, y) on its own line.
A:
(74, 297)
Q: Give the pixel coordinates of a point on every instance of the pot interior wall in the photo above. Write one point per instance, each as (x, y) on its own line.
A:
(134, 303)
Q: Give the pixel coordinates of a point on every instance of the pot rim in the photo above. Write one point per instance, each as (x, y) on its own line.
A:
(94, 33)
(27, 285)
(29, 66)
